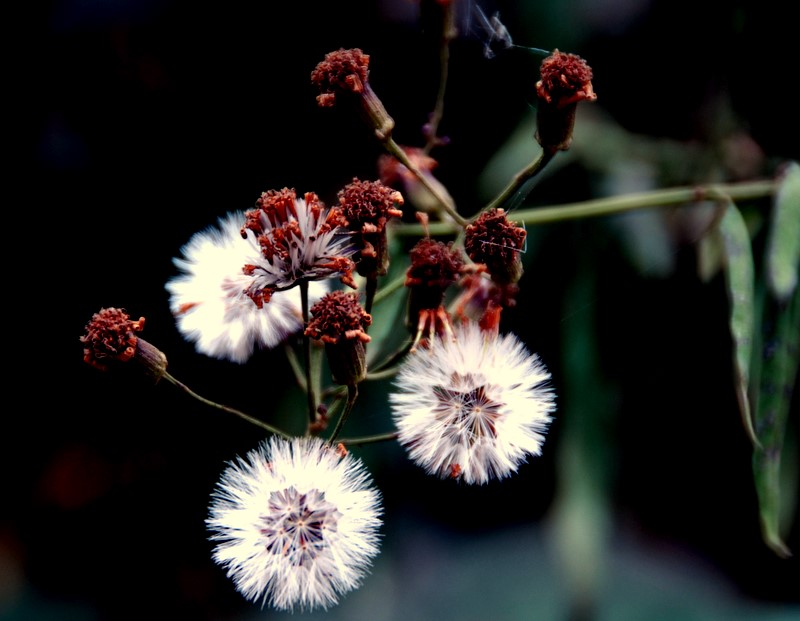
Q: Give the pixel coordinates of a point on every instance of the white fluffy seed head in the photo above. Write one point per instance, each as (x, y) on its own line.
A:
(208, 296)
(295, 524)
(473, 407)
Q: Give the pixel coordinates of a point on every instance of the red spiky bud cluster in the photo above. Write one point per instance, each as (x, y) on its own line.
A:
(339, 321)
(341, 71)
(566, 80)
(496, 243)
(367, 207)
(338, 316)
(111, 337)
(299, 239)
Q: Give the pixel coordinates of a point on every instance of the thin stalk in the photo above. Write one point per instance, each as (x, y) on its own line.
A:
(394, 149)
(371, 288)
(616, 204)
(226, 408)
(379, 437)
(352, 395)
(520, 179)
(389, 288)
(297, 368)
(389, 371)
(448, 34)
(312, 402)
(380, 370)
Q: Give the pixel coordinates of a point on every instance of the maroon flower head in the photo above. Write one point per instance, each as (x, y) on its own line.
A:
(367, 206)
(111, 337)
(566, 80)
(338, 317)
(345, 73)
(339, 321)
(434, 267)
(341, 71)
(496, 243)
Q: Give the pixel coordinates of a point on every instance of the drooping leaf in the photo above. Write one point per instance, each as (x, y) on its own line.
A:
(709, 255)
(783, 242)
(778, 377)
(740, 283)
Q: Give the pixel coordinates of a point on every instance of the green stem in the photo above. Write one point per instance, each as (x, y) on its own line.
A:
(520, 179)
(312, 402)
(389, 288)
(297, 368)
(448, 34)
(746, 190)
(380, 437)
(225, 408)
(394, 149)
(371, 288)
(389, 371)
(352, 395)
(385, 368)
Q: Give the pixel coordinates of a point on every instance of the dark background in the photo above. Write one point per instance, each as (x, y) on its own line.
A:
(151, 119)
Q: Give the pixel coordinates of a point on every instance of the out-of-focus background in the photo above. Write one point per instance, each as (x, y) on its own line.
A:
(154, 118)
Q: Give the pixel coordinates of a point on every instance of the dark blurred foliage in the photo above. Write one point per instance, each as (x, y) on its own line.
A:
(151, 119)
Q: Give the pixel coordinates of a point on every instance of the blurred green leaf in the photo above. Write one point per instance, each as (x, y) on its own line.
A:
(740, 283)
(778, 376)
(783, 243)
(709, 255)
(581, 512)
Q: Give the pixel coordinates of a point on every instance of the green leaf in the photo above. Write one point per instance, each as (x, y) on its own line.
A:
(783, 242)
(779, 367)
(740, 283)
(709, 255)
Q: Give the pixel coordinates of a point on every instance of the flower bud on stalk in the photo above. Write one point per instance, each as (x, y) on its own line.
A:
(340, 323)
(346, 72)
(367, 207)
(110, 337)
(566, 79)
(434, 267)
(496, 243)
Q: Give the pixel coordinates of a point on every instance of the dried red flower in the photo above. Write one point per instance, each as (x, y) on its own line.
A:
(346, 72)
(341, 71)
(566, 80)
(496, 243)
(338, 316)
(339, 321)
(111, 337)
(299, 239)
(367, 206)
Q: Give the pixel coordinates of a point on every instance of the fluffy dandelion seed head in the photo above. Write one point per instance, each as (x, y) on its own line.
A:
(209, 301)
(473, 407)
(295, 523)
(298, 239)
